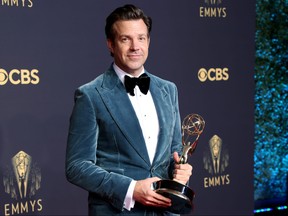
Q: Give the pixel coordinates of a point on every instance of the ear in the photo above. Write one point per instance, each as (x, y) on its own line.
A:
(109, 43)
(149, 41)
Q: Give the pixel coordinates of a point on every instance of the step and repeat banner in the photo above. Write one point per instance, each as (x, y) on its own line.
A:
(49, 47)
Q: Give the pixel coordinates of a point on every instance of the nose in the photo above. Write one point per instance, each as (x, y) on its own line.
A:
(134, 45)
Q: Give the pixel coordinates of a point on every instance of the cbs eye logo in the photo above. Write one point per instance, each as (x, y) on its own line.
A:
(19, 77)
(213, 74)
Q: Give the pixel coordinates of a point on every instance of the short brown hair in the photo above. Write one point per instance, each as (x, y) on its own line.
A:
(127, 12)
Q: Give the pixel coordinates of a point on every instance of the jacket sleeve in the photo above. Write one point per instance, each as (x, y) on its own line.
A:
(81, 168)
(176, 145)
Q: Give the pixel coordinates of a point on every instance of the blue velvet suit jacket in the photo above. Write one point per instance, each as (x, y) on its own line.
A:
(106, 148)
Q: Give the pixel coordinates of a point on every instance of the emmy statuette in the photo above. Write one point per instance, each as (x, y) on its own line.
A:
(181, 195)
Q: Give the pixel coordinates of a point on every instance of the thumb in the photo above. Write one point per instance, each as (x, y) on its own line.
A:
(176, 157)
(154, 179)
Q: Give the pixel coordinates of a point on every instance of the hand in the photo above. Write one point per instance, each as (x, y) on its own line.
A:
(144, 194)
(182, 172)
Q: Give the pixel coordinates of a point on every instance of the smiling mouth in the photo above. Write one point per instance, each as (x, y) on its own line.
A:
(134, 56)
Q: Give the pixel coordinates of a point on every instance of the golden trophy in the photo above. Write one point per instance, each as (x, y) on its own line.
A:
(181, 195)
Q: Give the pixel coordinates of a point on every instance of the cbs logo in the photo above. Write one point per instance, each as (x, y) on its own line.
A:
(213, 74)
(19, 77)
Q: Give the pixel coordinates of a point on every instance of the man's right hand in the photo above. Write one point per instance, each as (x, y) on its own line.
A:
(144, 194)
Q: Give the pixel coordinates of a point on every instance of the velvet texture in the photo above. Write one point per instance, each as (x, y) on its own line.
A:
(106, 148)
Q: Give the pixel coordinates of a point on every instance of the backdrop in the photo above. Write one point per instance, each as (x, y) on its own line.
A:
(49, 48)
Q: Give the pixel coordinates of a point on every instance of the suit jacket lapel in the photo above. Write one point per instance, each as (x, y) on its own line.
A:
(160, 100)
(118, 104)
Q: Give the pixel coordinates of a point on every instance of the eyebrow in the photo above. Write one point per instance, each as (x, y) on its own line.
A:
(126, 35)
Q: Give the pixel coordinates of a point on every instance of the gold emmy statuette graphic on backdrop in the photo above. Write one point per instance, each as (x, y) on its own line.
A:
(181, 195)
(22, 166)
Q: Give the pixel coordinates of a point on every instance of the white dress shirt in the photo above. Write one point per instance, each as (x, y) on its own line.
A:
(147, 116)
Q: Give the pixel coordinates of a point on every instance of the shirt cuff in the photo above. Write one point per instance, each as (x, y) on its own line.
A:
(129, 202)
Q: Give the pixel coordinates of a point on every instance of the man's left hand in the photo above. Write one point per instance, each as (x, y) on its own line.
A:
(182, 172)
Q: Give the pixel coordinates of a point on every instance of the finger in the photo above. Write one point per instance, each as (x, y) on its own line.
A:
(176, 157)
(157, 204)
(185, 173)
(160, 200)
(182, 174)
(183, 167)
(155, 199)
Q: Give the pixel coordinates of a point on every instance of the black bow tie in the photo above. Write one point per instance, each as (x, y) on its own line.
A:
(143, 83)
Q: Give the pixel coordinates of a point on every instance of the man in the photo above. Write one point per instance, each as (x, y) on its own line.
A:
(121, 141)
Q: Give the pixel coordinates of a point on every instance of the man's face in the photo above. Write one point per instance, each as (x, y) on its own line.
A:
(130, 46)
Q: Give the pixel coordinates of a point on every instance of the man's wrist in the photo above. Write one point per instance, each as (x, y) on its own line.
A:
(129, 202)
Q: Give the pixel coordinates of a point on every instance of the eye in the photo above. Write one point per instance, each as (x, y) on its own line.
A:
(124, 39)
(142, 38)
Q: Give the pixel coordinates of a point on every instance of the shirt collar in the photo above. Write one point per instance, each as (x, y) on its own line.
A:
(121, 74)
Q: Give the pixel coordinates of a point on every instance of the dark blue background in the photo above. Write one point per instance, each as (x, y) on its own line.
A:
(65, 41)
